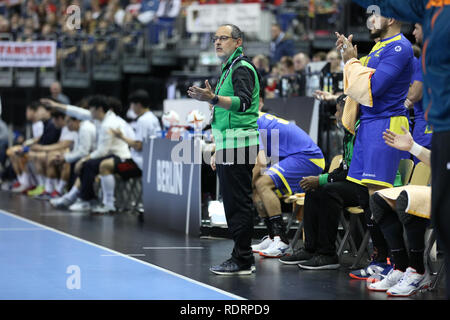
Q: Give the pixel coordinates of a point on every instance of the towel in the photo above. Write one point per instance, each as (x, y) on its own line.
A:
(358, 90)
(419, 199)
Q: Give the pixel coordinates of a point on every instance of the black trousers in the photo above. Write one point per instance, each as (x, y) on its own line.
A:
(440, 195)
(322, 211)
(236, 189)
(88, 172)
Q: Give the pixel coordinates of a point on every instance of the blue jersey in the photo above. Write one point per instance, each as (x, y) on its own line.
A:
(417, 76)
(291, 139)
(392, 59)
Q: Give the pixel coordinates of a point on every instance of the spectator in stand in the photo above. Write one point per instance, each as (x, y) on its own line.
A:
(280, 45)
(335, 61)
(56, 93)
(168, 11)
(300, 62)
(262, 63)
(319, 56)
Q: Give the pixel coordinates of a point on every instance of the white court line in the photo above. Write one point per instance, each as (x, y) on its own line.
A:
(22, 229)
(125, 256)
(128, 254)
(172, 248)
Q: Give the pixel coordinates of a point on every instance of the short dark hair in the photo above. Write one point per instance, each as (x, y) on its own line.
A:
(34, 105)
(58, 114)
(115, 105)
(235, 31)
(140, 96)
(99, 101)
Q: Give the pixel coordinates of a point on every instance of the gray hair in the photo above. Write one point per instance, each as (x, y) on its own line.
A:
(235, 31)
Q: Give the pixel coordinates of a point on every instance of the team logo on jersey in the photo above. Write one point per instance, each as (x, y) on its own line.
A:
(398, 48)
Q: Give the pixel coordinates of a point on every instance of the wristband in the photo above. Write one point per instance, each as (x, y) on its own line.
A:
(214, 100)
(416, 149)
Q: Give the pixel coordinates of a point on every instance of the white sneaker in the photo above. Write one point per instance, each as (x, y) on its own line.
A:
(410, 283)
(103, 209)
(20, 188)
(80, 206)
(389, 281)
(264, 244)
(61, 202)
(276, 249)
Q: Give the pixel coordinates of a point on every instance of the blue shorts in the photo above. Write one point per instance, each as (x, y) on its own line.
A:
(422, 134)
(373, 161)
(287, 173)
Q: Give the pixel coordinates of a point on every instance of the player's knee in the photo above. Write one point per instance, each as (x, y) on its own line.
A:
(264, 183)
(106, 167)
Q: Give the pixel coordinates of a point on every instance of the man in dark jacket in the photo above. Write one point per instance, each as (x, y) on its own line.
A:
(280, 46)
(234, 105)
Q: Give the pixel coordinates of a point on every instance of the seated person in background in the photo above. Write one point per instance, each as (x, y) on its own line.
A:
(107, 145)
(40, 156)
(147, 125)
(404, 208)
(51, 135)
(61, 165)
(293, 155)
(37, 115)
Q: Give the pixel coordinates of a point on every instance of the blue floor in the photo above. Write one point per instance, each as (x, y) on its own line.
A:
(38, 262)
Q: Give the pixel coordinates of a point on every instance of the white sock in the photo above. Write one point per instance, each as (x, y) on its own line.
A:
(49, 185)
(72, 195)
(40, 179)
(108, 184)
(23, 179)
(60, 186)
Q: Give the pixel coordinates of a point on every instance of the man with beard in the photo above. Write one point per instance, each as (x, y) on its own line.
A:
(374, 164)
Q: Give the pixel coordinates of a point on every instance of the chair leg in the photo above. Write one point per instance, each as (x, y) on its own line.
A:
(297, 235)
(345, 238)
(361, 249)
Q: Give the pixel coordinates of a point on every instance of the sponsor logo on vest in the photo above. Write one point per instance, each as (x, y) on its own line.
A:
(169, 177)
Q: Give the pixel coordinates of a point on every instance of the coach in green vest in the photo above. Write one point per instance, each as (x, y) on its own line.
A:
(234, 108)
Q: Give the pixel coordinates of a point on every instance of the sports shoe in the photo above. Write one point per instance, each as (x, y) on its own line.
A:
(19, 187)
(80, 206)
(264, 244)
(276, 249)
(389, 281)
(55, 194)
(409, 284)
(372, 269)
(230, 267)
(43, 196)
(62, 202)
(102, 209)
(379, 276)
(321, 262)
(298, 257)
(36, 191)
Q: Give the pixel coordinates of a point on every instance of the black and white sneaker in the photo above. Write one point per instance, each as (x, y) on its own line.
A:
(321, 262)
(230, 267)
(298, 257)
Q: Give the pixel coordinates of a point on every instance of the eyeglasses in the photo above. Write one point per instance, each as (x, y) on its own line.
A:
(221, 38)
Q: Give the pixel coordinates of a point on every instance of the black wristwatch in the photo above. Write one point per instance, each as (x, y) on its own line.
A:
(214, 100)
